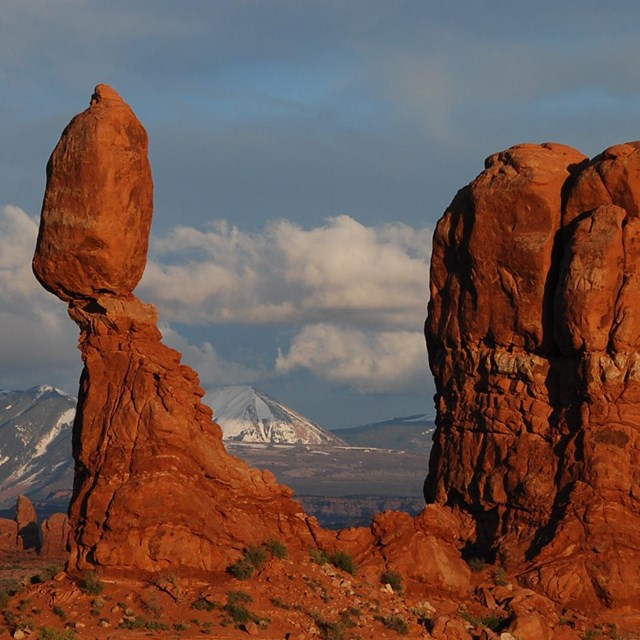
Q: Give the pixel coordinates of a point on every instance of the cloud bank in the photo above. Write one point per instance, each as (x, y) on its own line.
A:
(36, 332)
(349, 298)
(354, 296)
(373, 276)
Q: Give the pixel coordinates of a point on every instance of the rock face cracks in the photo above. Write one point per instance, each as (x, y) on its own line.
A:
(154, 488)
(533, 334)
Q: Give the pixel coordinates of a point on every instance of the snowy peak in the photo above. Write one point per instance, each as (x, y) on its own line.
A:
(248, 415)
(35, 442)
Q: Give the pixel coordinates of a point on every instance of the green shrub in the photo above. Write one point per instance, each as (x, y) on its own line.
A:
(143, 623)
(345, 619)
(494, 622)
(277, 548)
(343, 560)
(254, 558)
(281, 604)
(242, 570)
(395, 623)
(239, 597)
(202, 604)
(257, 556)
(60, 612)
(500, 577)
(49, 633)
(318, 556)
(394, 579)
(477, 564)
(329, 630)
(238, 612)
(92, 585)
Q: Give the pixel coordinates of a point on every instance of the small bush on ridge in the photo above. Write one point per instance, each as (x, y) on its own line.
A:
(394, 579)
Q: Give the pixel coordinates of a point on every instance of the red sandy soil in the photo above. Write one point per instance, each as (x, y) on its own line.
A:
(291, 598)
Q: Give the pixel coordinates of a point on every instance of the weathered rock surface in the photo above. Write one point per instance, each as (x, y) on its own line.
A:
(533, 335)
(27, 523)
(154, 488)
(9, 540)
(98, 204)
(55, 536)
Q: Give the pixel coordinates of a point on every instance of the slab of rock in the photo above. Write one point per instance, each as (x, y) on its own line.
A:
(27, 524)
(533, 335)
(55, 536)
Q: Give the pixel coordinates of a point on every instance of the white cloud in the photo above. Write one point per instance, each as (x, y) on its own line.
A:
(370, 362)
(37, 341)
(342, 271)
(356, 294)
(212, 368)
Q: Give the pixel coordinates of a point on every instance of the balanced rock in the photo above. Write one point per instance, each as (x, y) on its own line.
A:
(534, 335)
(154, 488)
(96, 214)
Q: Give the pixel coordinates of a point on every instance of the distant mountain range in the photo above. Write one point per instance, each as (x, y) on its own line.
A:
(248, 415)
(413, 433)
(387, 458)
(35, 443)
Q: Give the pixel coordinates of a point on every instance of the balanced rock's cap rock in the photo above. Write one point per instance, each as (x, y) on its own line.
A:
(97, 208)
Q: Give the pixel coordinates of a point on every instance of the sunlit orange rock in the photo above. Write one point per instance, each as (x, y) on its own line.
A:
(55, 536)
(154, 488)
(98, 203)
(27, 522)
(533, 335)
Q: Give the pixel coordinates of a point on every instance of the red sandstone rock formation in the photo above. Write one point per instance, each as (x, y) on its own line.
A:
(27, 522)
(55, 536)
(9, 536)
(154, 488)
(533, 335)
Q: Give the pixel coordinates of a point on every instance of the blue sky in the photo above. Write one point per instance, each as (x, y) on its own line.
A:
(302, 152)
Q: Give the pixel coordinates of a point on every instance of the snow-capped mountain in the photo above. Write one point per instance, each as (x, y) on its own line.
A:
(248, 415)
(35, 442)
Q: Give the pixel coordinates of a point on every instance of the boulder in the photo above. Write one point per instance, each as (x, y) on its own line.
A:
(98, 203)
(55, 536)
(27, 524)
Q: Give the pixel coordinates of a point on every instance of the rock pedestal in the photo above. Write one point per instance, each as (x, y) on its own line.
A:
(533, 335)
(154, 488)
